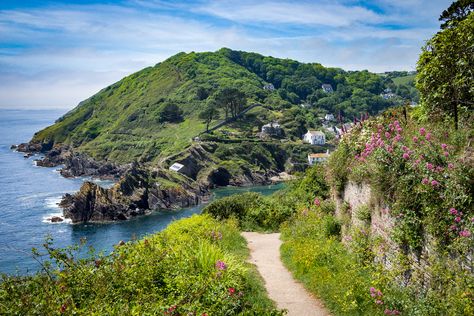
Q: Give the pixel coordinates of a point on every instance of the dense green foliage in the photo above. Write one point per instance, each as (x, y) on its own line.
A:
(196, 266)
(256, 212)
(456, 12)
(419, 169)
(157, 111)
(344, 275)
(445, 77)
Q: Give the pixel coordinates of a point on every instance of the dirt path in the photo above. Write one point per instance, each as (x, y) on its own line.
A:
(281, 287)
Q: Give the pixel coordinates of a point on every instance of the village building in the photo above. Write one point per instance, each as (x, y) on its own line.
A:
(327, 88)
(176, 167)
(317, 158)
(272, 129)
(329, 117)
(315, 138)
(269, 87)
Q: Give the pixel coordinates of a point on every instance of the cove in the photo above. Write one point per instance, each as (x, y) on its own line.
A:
(29, 195)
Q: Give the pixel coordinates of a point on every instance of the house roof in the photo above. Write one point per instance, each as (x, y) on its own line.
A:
(326, 86)
(176, 166)
(272, 124)
(316, 133)
(321, 155)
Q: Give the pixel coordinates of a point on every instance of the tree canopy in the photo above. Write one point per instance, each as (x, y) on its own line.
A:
(445, 70)
(456, 12)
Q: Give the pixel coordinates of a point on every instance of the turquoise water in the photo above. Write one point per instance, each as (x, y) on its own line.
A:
(28, 196)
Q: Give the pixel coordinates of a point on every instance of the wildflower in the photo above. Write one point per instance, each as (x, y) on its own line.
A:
(444, 146)
(472, 220)
(465, 233)
(457, 219)
(379, 302)
(434, 183)
(63, 308)
(422, 131)
(415, 139)
(453, 227)
(428, 136)
(446, 154)
(317, 202)
(450, 166)
(231, 291)
(404, 148)
(220, 265)
(429, 166)
(453, 211)
(425, 181)
(406, 156)
(398, 137)
(387, 135)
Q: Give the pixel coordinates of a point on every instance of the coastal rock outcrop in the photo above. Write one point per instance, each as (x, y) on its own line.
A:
(135, 194)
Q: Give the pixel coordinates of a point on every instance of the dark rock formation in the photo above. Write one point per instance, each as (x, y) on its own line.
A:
(56, 219)
(132, 196)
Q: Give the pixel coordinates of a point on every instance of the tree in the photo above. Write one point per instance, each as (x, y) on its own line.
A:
(210, 113)
(457, 11)
(445, 70)
(232, 100)
(170, 112)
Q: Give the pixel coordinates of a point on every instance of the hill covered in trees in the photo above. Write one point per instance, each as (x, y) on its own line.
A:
(157, 111)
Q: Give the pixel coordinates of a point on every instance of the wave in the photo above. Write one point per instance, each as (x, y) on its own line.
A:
(47, 218)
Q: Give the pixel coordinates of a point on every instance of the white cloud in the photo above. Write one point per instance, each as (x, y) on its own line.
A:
(310, 13)
(63, 54)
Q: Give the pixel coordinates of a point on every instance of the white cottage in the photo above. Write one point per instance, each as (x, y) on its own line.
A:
(316, 158)
(315, 138)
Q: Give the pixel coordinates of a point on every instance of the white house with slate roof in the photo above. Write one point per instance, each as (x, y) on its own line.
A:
(315, 138)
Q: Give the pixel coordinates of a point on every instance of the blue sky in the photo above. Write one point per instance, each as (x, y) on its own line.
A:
(53, 54)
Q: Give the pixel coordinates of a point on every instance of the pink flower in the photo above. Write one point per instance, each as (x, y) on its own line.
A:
(434, 183)
(428, 137)
(231, 291)
(317, 202)
(398, 137)
(220, 265)
(453, 227)
(453, 211)
(422, 131)
(465, 233)
(425, 181)
(429, 166)
(444, 146)
(446, 154)
(405, 148)
(457, 219)
(379, 302)
(406, 156)
(387, 134)
(450, 166)
(415, 139)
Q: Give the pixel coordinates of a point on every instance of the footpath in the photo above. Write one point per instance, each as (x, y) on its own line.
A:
(281, 287)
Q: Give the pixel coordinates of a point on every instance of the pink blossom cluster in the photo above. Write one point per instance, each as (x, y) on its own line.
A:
(220, 265)
(391, 312)
(458, 218)
(377, 295)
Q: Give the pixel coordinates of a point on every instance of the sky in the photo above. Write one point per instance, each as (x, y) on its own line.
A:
(54, 54)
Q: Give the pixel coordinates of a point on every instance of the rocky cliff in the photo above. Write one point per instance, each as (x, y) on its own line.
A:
(135, 194)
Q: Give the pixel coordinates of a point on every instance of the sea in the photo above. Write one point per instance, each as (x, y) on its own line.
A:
(29, 195)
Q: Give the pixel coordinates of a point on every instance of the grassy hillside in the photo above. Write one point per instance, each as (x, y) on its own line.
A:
(127, 121)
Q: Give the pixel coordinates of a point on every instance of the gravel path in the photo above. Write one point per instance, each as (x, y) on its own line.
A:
(281, 287)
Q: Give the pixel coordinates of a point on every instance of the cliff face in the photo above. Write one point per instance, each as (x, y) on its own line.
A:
(132, 196)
